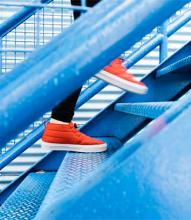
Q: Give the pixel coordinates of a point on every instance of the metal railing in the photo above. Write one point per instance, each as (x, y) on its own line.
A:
(159, 38)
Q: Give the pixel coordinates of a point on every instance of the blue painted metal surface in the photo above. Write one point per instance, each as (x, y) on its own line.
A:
(75, 168)
(129, 150)
(92, 90)
(49, 163)
(176, 57)
(36, 134)
(18, 18)
(157, 39)
(147, 110)
(153, 183)
(186, 17)
(167, 88)
(20, 147)
(144, 50)
(170, 87)
(1, 57)
(182, 65)
(106, 40)
(164, 43)
(26, 199)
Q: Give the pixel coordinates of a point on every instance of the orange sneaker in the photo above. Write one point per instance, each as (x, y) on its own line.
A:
(117, 75)
(65, 137)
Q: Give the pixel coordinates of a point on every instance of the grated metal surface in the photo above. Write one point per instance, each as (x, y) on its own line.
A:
(74, 168)
(40, 29)
(180, 65)
(145, 109)
(26, 199)
(153, 183)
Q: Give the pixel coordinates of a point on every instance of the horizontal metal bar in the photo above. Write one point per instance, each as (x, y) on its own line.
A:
(16, 50)
(39, 6)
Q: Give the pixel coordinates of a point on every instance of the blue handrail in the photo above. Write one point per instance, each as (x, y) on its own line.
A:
(98, 45)
(89, 92)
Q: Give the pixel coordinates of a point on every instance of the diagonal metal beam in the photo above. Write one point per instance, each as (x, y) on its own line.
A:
(60, 67)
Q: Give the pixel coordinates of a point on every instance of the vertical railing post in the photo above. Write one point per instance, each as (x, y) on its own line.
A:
(37, 28)
(1, 70)
(163, 48)
(1, 56)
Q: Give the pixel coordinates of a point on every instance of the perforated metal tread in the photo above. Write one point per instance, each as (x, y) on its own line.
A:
(153, 183)
(180, 66)
(74, 168)
(145, 109)
(26, 199)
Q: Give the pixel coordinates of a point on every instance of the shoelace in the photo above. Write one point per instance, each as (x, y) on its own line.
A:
(74, 128)
(119, 61)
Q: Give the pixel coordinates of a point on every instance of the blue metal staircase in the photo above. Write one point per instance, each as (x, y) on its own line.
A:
(150, 179)
(145, 174)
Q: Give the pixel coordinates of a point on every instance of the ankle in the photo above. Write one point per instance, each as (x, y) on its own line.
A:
(54, 121)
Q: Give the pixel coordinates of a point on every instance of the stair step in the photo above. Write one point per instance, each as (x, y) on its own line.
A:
(145, 109)
(182, 65)
(144, 186)
(74, 168)
(152, 177)
(25, 201)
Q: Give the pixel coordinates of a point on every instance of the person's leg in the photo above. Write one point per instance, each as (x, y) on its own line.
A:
(65, 110)
(60, 133)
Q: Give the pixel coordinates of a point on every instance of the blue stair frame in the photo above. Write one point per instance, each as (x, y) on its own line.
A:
(147, 110)
(180, 66)
(145, 174)
(151, 183)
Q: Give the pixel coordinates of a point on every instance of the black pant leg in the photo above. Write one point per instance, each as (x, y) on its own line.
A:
(65, 110)
(89, 3)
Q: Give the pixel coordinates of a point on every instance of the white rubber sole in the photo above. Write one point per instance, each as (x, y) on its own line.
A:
(122, 84)
(74, 148)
